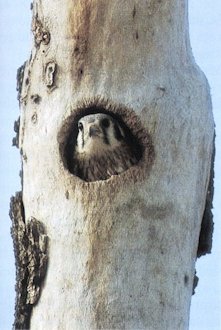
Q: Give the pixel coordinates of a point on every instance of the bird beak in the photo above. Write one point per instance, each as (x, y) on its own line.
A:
(94, 130)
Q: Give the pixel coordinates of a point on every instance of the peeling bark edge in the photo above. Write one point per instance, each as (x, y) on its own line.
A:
(195, 283)
(206, 232)
(15, 140)
(20, 78)
(30, 248)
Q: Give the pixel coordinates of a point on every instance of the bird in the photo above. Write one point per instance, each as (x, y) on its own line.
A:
(103, 148)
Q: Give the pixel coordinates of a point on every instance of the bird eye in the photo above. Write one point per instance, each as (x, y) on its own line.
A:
(80, 126)
(105, 122)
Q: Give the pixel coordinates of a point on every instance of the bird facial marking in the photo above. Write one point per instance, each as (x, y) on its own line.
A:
(96, 132)
(102, 149)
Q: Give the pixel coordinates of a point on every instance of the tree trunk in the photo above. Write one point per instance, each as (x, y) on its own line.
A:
(120, 253)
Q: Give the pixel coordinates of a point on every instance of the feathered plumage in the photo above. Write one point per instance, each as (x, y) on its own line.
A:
(102, 148)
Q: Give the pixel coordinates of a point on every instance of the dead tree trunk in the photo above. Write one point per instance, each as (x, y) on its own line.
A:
(117, 253)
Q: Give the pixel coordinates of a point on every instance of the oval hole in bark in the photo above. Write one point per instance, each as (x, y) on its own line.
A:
(136, 136)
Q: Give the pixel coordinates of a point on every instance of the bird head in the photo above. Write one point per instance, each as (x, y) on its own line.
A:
(97, 133)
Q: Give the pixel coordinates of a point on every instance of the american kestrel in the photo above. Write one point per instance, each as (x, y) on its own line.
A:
(103, 148)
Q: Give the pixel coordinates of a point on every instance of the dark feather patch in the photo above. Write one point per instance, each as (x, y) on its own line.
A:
(105, 135)
(104, 166)
(117, 132)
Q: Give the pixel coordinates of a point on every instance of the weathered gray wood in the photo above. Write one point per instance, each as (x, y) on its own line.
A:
(122, 251)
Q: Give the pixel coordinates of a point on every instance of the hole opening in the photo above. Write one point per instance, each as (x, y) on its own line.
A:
(126, 119)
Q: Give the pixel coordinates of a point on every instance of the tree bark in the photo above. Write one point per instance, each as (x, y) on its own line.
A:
(121, 252)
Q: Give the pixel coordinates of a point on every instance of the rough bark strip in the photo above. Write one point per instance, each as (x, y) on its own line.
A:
(18, 232)
(30, 248)
(15, 140)
(20, 77)
(206, 233)
(195, 282)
